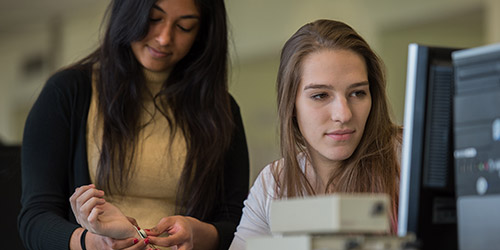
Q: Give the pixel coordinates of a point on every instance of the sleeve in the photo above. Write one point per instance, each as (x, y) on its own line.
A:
(256, 213)
(43, 221)
(236, 178)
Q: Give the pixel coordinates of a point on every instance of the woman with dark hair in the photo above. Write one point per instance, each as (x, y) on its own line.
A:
(336, 133)
(143, 127)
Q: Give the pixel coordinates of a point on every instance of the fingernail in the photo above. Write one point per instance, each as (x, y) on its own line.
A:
(146, 241)
(147, 230)
(135, 241)
(138, 228)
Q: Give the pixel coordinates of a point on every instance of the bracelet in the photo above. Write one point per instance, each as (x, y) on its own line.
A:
(82, 239)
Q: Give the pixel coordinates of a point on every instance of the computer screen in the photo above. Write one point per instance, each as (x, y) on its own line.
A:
(427, 201)
(477, 146)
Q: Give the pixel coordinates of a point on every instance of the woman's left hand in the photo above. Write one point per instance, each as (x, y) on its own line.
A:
(185, 233)
(98, 216)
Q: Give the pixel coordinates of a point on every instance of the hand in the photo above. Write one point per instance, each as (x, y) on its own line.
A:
(95, 241)
(184, 232)
(98, 216)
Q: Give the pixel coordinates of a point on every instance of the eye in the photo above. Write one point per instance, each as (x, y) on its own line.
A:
(154, 20)
(183, 28)
(358, 93)
(319, 96)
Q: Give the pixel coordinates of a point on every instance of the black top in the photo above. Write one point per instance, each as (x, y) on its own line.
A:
(54, 164)
(10, 191)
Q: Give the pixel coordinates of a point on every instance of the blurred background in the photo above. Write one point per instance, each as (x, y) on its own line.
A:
(38, 37)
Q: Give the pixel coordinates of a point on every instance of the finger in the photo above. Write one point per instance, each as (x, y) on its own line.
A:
(74, 197)
(129, 243)
(86, 210)
(133, 221)
(87, 194)
(85, 197)
(164, 225)
(92, 203)
(80, 190)
(171, 240)
(93, 217)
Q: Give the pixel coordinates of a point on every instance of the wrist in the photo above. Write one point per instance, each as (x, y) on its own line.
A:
(74, 243)
(204, 234)
(82, 239)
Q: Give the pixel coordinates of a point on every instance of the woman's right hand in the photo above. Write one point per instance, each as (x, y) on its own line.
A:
(98, 216)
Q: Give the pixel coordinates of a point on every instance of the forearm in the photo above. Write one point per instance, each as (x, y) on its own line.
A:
(205, 235)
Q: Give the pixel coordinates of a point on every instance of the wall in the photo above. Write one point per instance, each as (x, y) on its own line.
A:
(460, 30)
(18, 89)
(53, 41)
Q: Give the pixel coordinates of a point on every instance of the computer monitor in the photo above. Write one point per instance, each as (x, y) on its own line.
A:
(477, 146)
(427, 202)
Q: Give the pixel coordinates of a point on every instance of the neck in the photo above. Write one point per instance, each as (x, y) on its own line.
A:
(155, 80)
(322, 171)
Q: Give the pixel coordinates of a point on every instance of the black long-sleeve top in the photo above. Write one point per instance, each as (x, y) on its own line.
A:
(54, 164)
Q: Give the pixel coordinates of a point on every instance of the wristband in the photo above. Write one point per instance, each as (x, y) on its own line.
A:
(82, 239)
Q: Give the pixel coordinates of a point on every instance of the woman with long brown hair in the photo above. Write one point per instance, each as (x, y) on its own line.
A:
(336, 133)
(143, 127)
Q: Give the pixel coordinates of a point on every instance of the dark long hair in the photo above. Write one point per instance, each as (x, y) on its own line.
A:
(196, 92)
(374, 165)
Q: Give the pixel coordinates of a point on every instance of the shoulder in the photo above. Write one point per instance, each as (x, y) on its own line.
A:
(68, 90)
(235, 108)
(267, 181)
(71, 80)
(271, 179)
(263, 192)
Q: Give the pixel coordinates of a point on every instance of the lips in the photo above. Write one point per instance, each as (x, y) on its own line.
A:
(341, 135)
(157, 53)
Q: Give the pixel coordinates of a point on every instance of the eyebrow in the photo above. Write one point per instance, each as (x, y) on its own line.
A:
(182, 17)
(326, 86)
(158, 8)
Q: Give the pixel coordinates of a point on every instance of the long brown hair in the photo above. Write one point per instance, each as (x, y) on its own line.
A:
(196, 92)
(374, 165)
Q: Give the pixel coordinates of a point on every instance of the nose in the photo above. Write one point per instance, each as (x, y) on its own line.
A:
(164, 37)
(341, 111)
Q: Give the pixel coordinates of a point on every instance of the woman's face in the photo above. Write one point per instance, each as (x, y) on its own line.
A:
(332, 104)
(173, 26)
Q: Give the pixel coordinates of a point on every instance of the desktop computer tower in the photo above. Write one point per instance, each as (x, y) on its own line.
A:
(477, 146)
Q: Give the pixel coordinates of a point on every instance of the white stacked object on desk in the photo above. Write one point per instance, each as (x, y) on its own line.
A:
(338, 221)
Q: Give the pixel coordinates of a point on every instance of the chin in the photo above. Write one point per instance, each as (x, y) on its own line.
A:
(340, 156)
(156, 68)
